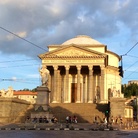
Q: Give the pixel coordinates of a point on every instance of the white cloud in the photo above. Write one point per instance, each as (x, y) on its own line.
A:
(45, 22)
(14, 78)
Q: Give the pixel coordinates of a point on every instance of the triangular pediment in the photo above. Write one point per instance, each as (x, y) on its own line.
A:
(71, 51)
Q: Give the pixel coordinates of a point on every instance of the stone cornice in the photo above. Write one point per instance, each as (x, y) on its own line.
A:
(72, 57)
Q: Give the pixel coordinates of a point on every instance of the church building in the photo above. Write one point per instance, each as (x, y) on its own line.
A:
(82, 70)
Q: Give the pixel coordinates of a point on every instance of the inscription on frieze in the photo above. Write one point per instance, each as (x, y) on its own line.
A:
(72, 61)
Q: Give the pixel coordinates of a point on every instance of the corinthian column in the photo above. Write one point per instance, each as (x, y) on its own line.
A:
(66, 90)
(102, 83)
(55, 85)
(90, 97)
(58, 87)
(49, 86)
(78, 85)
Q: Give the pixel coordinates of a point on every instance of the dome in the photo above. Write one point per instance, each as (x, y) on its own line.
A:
(82, 40)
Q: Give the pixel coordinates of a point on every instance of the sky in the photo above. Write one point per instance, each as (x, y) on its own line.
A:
(27, 27)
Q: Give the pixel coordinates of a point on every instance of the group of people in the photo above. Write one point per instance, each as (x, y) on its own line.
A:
(119, 120)
(71, 119)
(116, 120)
(42, 119)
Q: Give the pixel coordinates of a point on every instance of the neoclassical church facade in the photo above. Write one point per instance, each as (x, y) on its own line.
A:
(82, 70)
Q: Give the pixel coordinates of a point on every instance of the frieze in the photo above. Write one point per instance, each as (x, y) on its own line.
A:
(72, 61)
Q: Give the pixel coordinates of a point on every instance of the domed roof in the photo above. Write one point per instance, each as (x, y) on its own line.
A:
(82, 40)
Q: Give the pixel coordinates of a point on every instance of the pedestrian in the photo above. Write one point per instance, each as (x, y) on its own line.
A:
(112, 120)
(67, 119)
(45, 120)
(35, 119)
(70, 119)
(55, 120)
(52, 120)
(116, 120)
(105, 121)
(40, 119)
(27, 119)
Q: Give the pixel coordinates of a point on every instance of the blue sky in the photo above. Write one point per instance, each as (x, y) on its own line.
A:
(46, 22)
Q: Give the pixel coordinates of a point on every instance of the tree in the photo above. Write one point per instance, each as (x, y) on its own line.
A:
(130, 90)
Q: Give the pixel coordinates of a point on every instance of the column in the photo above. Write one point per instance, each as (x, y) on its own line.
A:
(66, 90)
(55, 85)
(102, 83)
(49, 86)
(78, 85)
(58, 87)
(84, 89)
(90, 91)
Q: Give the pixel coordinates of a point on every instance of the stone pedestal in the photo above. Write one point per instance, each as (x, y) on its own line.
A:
(41, 108)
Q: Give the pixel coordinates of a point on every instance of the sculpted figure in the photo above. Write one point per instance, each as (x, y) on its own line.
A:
(44, 73)
(3, 93)
(9, 92)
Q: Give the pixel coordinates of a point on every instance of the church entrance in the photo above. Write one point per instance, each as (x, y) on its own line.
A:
(73, 92)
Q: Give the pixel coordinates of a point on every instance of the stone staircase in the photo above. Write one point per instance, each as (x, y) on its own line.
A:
(85, 112)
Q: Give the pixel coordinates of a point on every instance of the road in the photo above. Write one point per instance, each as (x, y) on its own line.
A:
(67, 134)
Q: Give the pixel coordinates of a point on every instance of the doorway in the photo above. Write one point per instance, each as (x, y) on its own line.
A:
(73, 92)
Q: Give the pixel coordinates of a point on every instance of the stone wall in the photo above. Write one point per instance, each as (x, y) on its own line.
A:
(11, 109)
(117, 107)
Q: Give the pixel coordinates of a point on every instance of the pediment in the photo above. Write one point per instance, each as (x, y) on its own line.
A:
(71, 51)
(74, 52)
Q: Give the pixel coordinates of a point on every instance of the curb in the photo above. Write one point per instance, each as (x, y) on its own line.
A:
(58, 129)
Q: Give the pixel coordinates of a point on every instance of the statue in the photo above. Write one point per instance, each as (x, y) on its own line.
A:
(44, 73)
(3, 92)
(8, 93)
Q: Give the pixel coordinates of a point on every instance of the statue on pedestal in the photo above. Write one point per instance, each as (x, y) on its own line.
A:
(44, 73)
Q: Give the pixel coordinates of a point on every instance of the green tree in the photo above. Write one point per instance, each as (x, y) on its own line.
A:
(130, 90)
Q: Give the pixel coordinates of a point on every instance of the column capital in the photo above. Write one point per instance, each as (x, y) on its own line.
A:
(67, 67)
(78, 67)
(90, 66)
(102, 67)
(55, 67)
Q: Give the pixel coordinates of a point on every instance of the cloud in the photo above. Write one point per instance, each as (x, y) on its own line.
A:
(47, 22)
(14, 78)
